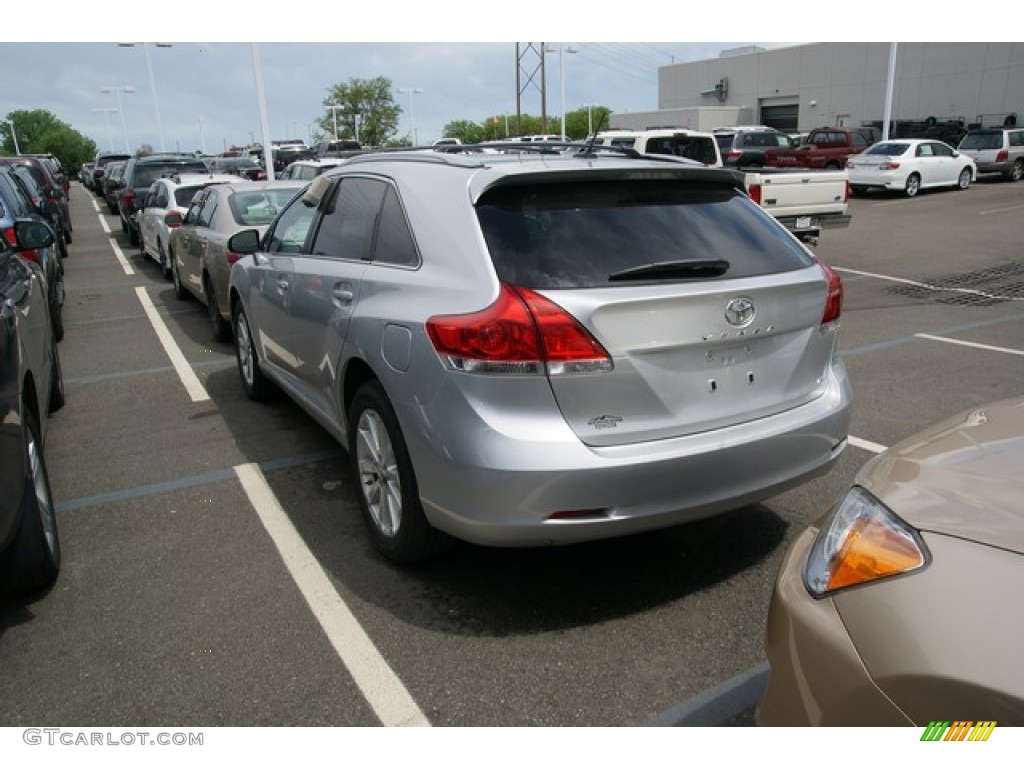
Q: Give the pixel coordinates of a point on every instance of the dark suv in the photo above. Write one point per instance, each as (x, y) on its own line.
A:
(139, 175)
(99, 169)
(744, 146)
(53, 189)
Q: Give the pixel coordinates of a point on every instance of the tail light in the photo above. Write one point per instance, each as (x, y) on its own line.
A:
(231, 257)
(129, 197)
(11, 237)
(846, 192)
(889, 165)
(1002, 156)
(734, 154)
(754, 190)
(834, 299)
(520, 333)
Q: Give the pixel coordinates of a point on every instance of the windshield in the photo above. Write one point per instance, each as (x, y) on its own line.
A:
(888, 148)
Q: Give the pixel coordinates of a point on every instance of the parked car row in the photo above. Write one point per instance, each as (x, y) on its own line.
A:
(31, 384)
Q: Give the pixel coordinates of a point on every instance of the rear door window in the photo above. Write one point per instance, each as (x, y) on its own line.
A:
(583, 235)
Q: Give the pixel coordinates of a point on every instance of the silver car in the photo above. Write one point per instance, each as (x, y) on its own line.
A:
(536, 348)
(198, 248)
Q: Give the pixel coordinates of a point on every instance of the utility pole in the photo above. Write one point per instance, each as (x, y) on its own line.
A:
(530, 72)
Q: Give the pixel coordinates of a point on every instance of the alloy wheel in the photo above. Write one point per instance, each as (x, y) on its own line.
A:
(379, 480)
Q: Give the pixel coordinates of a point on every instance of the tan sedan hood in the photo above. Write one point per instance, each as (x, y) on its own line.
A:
(963, 477)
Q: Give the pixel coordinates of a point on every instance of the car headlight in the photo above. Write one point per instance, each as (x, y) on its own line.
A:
(861, 541)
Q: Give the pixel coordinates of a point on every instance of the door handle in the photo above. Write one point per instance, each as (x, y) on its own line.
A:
(343, 295)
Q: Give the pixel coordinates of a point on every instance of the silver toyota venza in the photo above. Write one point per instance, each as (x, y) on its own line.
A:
(537, 347)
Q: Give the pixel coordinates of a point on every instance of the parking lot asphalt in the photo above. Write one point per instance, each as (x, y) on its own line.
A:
(216, 571)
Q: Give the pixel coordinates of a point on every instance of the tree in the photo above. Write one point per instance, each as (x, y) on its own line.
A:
(469, 132)
(366, 110)
(39, 131)
(580, 122)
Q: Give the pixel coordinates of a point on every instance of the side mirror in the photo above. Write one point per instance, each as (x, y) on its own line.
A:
(32, 234)
(245, 242)
(49, 208)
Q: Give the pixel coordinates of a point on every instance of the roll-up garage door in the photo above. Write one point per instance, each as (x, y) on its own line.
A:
(782, 117)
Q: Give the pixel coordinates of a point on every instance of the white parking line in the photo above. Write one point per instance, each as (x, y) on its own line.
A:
(120, 257)
(117, 249)
(866, 445)
(181, 366)
(384, 692)
(928, 286)
(958, 342)
(1001, 210)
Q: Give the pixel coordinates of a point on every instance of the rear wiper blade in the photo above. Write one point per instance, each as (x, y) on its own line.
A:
(666, 270)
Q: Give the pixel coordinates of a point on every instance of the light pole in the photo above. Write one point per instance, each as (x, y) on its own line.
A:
(334, 113)
(152, 86)
(118, 90)
(412, 113)
(202, 137)
(106, 118)
(561, 77)
(14, 135)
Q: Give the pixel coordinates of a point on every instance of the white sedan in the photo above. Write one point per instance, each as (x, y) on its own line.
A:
(910, 165)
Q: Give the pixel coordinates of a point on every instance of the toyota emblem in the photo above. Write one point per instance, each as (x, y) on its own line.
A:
(740, 312)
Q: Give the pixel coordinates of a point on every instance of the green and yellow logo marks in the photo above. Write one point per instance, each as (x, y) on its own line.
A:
(959, 730)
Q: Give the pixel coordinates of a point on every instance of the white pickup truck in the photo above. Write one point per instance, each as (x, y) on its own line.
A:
(804, 201)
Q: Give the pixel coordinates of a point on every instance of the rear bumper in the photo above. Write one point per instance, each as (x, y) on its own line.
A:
(813, 224)
(504, 491)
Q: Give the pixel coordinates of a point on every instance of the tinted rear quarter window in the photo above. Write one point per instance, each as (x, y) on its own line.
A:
(577, 235)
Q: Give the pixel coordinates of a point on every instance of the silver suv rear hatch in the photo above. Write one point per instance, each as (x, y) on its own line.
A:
(711, 312)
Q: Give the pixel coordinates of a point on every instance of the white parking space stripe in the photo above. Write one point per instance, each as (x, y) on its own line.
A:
(866, 445)
(958, 342)
(1001, 210)
(120, 257)
(928, 286)
(181, 366)
(382, 689)
(103, 224)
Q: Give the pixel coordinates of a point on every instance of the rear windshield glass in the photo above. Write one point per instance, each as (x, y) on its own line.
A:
(259, 207)
(888, 148)
(578, 235)
(982, 141)
(183, 195)
(145, 175)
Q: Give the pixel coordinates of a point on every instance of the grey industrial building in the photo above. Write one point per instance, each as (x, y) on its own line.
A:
(801, 87)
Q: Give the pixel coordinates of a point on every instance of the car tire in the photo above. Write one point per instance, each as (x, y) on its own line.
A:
(256, 386)
(963, 181)
(387, 489)
(179, 289)
(1016, 173)
(56, 398)
(165, 262)
(220, 327)
(913, 185)
(133, 235)
(32, 561)
(57, 320)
